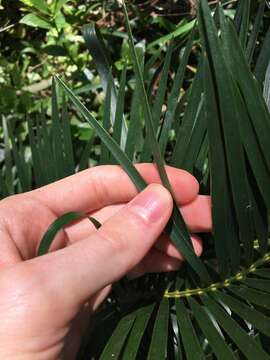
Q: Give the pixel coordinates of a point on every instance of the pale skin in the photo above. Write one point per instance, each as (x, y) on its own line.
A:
(47, 301)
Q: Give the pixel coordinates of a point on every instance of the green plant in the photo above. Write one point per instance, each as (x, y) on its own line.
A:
(217, 306)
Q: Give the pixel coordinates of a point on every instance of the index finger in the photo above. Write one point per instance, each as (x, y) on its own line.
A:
(100, 186)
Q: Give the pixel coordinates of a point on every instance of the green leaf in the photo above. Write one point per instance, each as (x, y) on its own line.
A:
(95, 43)
(158, 103)
(120, 156)
(192, 128)
(58, 225)
(54, 50)
(39, 5)
(255, 32)
(216, 340)
(264, 273)
(177, 226)
(56, 134)
(189, 337)
(226, 242)
(254, 102)
(259, 284)
(175, 94)
(230, 125)
(58, 5)
(244, 25)
(248, 346)
(263, 59)
(132, 345)
(8, 160)
(181, 30)
(106, 123)
(67, 141)
(119, 114)
(158, 346)
(253, 296)
(35, 21)
(115, 345)
(114, 148)
(251, 315)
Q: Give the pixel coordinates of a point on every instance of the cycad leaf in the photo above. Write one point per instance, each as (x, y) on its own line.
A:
(253, 296)
(192, 130)
(226, 242)
(176, 235)
(255, 31)
(115, 345)
(254, 317)
(216, 341)
(190, 340)
(263, 59)
(158, 346)
(131, 349)
(106, 123)
(257, 283)
(230, 125)
(175, 94)
(58, 225)
(246, 344)
(264, 273)
(95, 43)
(106, 138)
(119, 114)
(67, 141)
(56, 135)
(255, 104)
(157, 106)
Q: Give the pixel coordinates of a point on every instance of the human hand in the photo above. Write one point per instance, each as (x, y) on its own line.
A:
(46, 302)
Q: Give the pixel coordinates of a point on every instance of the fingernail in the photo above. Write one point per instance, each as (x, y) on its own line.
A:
(152, 203)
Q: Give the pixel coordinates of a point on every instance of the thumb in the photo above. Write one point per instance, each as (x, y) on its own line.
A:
(75, 273)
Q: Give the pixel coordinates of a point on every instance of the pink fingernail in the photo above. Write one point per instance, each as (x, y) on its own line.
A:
(151, 203)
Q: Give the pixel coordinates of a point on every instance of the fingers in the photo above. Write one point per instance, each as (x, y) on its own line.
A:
(155, 261)
(197, 214)
(165, 245)
(73, 274)
(105, 185)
